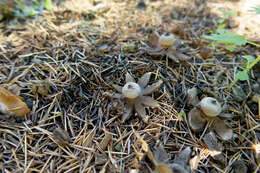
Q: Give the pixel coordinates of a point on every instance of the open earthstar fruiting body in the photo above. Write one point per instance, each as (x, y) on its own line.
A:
(208, 109)
(166, 41)
(134, 94)
(165, 44)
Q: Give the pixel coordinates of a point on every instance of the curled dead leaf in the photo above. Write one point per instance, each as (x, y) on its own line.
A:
(11, 104)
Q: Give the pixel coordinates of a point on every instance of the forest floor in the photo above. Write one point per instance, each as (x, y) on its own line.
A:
(66, 61)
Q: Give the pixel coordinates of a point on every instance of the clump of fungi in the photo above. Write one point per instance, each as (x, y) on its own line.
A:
(165, 44)
(134, 95)
(207, 110)
(162, 162)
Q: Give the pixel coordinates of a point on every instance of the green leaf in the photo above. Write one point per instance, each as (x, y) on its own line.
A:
(227, 13)
(19, 4)
(48, 4)
(230, 48)
(242, 76)
(256, 9)
(182, 114)
(249, 60)
(220, 21)
(220, 27)
(226, 37)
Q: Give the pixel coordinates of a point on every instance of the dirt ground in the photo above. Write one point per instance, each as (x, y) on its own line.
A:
(66, 60)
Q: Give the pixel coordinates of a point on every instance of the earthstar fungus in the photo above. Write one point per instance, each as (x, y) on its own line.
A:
(134, 95)
(209, 110)
(165, 44)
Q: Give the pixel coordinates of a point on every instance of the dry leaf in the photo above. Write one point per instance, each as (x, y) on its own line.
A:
(11, 104)
(15, 89)
(146, 148)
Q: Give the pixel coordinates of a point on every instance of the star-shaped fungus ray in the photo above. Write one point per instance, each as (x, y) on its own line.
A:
(134, 95)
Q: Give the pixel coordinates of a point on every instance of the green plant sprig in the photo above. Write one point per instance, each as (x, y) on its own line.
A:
(230, 39)
(243, 75)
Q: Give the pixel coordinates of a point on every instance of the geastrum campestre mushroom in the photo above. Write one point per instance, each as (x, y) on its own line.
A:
(165, 44)
(207, 110)
(134, 95)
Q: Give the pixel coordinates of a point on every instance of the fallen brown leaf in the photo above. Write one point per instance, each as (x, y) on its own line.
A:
(11, 104)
